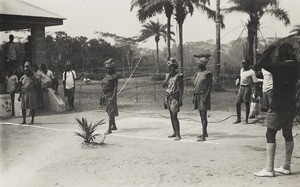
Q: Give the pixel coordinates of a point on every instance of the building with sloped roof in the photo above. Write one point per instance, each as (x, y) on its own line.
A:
(17, 14)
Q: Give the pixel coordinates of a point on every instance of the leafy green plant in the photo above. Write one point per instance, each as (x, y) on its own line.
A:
(88, 130)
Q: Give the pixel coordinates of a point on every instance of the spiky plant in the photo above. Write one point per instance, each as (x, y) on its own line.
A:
(88, 130)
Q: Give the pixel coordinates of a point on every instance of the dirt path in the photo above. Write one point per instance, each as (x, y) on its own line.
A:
(138, 154)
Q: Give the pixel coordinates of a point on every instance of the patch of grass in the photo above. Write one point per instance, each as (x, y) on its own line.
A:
(143, 93)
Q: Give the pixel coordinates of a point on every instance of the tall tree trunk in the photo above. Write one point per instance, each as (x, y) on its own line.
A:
(255, 48)
(157, 58)
(252, 33)
(250, 48)
(218, 46)
(180, 46)
(123, 63)
(169, 38)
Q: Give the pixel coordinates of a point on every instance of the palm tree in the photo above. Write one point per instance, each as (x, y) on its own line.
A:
(256, 9)
(157, 30)
(184, 7)
(180, 9)
(218, 46)
(296, 30)
(149, 9)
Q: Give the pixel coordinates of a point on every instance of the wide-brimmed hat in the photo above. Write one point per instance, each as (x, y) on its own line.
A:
(110, 64)
(202, 59)
(172, 61)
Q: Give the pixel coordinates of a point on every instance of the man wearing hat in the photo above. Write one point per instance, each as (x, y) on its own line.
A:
(108, 98)
(203, 86)
(247, 78)
(174, 91)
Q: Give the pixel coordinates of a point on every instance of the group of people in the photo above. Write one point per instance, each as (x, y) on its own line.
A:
(36, 81)
(279, 68)
(255, 88)
(280, 76)
(31, 85)
(174, 84)
(30, 80)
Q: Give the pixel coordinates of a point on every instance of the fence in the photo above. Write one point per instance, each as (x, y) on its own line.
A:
(142, 89)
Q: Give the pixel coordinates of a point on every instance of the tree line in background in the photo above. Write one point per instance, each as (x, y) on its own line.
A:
(255, 9)
(86, 54)
(90, 54)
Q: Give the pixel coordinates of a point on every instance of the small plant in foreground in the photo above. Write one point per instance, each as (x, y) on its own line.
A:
(88, 130)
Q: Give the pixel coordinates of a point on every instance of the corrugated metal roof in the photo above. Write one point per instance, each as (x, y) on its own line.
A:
(21, 8)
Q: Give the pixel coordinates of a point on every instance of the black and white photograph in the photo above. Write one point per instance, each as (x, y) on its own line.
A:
(149, 93)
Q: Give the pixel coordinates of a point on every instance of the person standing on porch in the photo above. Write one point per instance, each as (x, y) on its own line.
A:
(10, 52)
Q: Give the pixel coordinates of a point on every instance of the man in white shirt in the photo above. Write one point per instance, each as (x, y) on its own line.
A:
(69, 77)
(45, 76)
(267, 89)
(247, 78)
(47, 80)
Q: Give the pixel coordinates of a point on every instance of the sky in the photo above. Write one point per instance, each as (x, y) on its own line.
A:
(84, 17)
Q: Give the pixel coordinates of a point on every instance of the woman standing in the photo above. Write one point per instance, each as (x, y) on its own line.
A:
(174, 91)
(28, 94)
(203, 85)
(108, 97)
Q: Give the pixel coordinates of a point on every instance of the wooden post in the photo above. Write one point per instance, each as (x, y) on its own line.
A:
(137, 91)
(154, 90)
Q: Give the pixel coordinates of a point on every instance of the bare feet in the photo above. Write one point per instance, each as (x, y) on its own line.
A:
(203, 139)
(172, 136)
(177, 138)
(24, 122)
(114, 128)
(31, 123)
(201, 135)
(237, 121)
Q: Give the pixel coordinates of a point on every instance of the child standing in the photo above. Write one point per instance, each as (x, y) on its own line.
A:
(11, 87)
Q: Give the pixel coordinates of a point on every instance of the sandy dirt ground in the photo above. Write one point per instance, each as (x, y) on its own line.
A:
(139, 152)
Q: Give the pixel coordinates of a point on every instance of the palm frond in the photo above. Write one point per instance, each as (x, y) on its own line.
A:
(136, 3)
(81, 135)
(152, 29)
(296, 30)
(88, 129)
(280, 14)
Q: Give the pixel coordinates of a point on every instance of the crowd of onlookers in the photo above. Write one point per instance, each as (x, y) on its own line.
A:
(31, 81)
